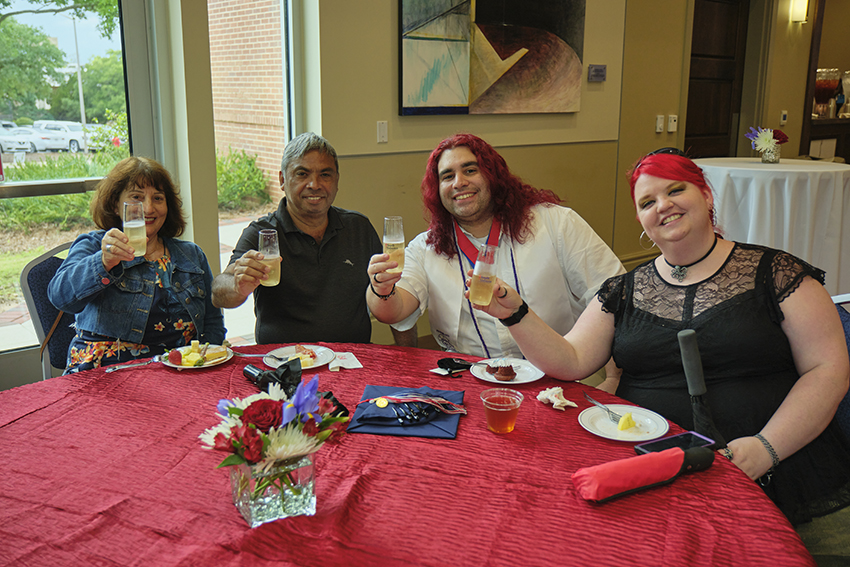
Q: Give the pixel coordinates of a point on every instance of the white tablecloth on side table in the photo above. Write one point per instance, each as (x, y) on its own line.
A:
(800, 206)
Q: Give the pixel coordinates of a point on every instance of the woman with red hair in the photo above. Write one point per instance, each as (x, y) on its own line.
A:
(772, 345)
(472, 198)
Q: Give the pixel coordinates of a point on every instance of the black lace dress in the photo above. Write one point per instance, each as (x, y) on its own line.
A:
(747, 361)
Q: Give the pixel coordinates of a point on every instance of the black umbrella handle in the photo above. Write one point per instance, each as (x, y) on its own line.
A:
(692, 362)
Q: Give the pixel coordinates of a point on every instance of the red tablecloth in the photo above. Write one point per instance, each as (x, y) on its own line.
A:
(107, 469)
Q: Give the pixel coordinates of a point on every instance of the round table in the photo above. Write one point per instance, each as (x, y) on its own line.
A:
(800, 206)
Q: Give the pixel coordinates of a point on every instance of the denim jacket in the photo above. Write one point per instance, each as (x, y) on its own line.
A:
(117, 303)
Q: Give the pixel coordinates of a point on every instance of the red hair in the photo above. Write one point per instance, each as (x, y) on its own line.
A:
(510, 198)
(675, 168)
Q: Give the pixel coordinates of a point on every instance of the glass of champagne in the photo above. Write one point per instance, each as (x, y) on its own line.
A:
(483, 276)
(134, 226)
(394, 242)
(271, 256)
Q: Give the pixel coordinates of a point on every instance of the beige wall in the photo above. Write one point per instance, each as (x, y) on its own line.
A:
(583, 156)
(834, 50)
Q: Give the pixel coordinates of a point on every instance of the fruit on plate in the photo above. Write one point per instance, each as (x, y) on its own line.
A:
(626, 422)
(175, 357)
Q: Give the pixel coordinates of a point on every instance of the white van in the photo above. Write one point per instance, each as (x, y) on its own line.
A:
(66, 135)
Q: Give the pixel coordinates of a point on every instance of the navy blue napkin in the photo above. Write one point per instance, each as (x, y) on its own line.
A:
(369, 418)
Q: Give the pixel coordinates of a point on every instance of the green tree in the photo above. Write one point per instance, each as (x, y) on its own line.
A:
(106, 10)
(103, 89)
(26, 57)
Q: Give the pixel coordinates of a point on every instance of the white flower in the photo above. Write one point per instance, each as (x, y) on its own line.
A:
(287, 443)
(764, 140)
(226, 424)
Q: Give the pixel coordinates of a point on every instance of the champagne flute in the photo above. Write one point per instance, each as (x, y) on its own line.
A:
(271, 256)
(134, 226)
(394, 242)
(483, 276)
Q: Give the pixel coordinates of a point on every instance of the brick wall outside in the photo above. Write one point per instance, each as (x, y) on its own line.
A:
(247, 81)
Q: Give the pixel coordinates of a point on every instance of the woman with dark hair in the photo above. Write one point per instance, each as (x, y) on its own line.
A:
(772, 345)
(135, 303)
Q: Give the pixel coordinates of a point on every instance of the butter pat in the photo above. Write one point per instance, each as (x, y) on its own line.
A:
(626, 422)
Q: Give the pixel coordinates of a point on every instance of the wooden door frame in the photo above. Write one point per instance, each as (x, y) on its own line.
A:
(814, 53)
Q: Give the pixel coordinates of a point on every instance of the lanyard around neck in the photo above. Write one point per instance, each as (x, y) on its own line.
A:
(469, 249)
(472, 263)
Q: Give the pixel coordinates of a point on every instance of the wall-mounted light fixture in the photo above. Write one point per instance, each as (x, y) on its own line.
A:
(799, 10)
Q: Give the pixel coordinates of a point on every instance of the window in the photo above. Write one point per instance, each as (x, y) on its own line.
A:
(43, 201)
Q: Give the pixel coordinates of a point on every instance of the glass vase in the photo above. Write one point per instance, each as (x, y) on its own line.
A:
(771, 155)
(285, 490)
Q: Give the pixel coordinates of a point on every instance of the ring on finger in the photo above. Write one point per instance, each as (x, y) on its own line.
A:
(108, 247)
(504, 294)
(375, 278)
(727, 452)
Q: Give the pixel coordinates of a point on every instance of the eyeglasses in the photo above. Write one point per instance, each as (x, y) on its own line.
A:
(668, 150)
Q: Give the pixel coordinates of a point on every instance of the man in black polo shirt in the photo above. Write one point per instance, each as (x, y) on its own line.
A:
(324, 254)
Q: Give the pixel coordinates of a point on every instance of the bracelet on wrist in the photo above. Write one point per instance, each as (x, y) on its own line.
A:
(383, 297)
(516, 317)
(773, 456)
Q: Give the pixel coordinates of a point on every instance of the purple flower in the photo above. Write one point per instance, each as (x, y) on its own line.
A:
(304, 402)
(222, 406)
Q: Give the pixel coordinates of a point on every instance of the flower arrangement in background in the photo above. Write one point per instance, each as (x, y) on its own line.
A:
(266, 430)
(767, 141)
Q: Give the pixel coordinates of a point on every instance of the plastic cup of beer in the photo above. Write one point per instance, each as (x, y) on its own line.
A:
(271, 256)
(394, 242)
(501, 406)
(483, 276)
(134, 226)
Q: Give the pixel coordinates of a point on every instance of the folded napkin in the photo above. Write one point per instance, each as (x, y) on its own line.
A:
(344, 360)
(371, 418)
(610, 480)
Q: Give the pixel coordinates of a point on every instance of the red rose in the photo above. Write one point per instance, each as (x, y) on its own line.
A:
(263, 414)
(780, 136)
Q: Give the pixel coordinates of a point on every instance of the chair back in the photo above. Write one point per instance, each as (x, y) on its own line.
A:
(843, 413)
(34, 281)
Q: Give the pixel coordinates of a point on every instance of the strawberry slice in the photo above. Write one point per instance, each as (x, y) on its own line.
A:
(175, 358)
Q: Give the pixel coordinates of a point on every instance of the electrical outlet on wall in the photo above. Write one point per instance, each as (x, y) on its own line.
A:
(672, 123)
(382, 132)
(659, 123)
(783, 117)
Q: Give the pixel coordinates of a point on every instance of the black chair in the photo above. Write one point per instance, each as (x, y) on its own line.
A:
(34, 281)
(843, 413)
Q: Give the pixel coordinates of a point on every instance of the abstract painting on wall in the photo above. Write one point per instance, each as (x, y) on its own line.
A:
(490, 56)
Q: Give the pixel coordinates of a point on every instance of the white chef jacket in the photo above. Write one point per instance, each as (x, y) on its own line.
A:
(557, 271)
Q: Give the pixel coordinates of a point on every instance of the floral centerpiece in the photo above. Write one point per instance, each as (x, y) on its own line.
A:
(767, 141)
(270, 443)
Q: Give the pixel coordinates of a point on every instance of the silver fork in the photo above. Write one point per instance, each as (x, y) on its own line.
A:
(156, 358)
(612, 415)
(270, 355)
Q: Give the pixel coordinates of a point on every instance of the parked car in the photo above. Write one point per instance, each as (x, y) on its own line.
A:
(71, 134)
(8, 125)
(38, 140)
(9, 142)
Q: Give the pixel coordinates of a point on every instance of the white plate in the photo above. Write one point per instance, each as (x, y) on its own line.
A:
(525, 371)
(648, 424)
(186, 349)
(323, 356)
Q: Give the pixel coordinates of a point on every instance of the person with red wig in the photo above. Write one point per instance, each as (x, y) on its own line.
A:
(547, 251)
(771, 342)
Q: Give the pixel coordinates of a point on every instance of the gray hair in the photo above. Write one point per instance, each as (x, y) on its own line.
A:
(303, 144)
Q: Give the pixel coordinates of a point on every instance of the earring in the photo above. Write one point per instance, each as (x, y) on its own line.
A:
(640, 241)
(712, 215)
